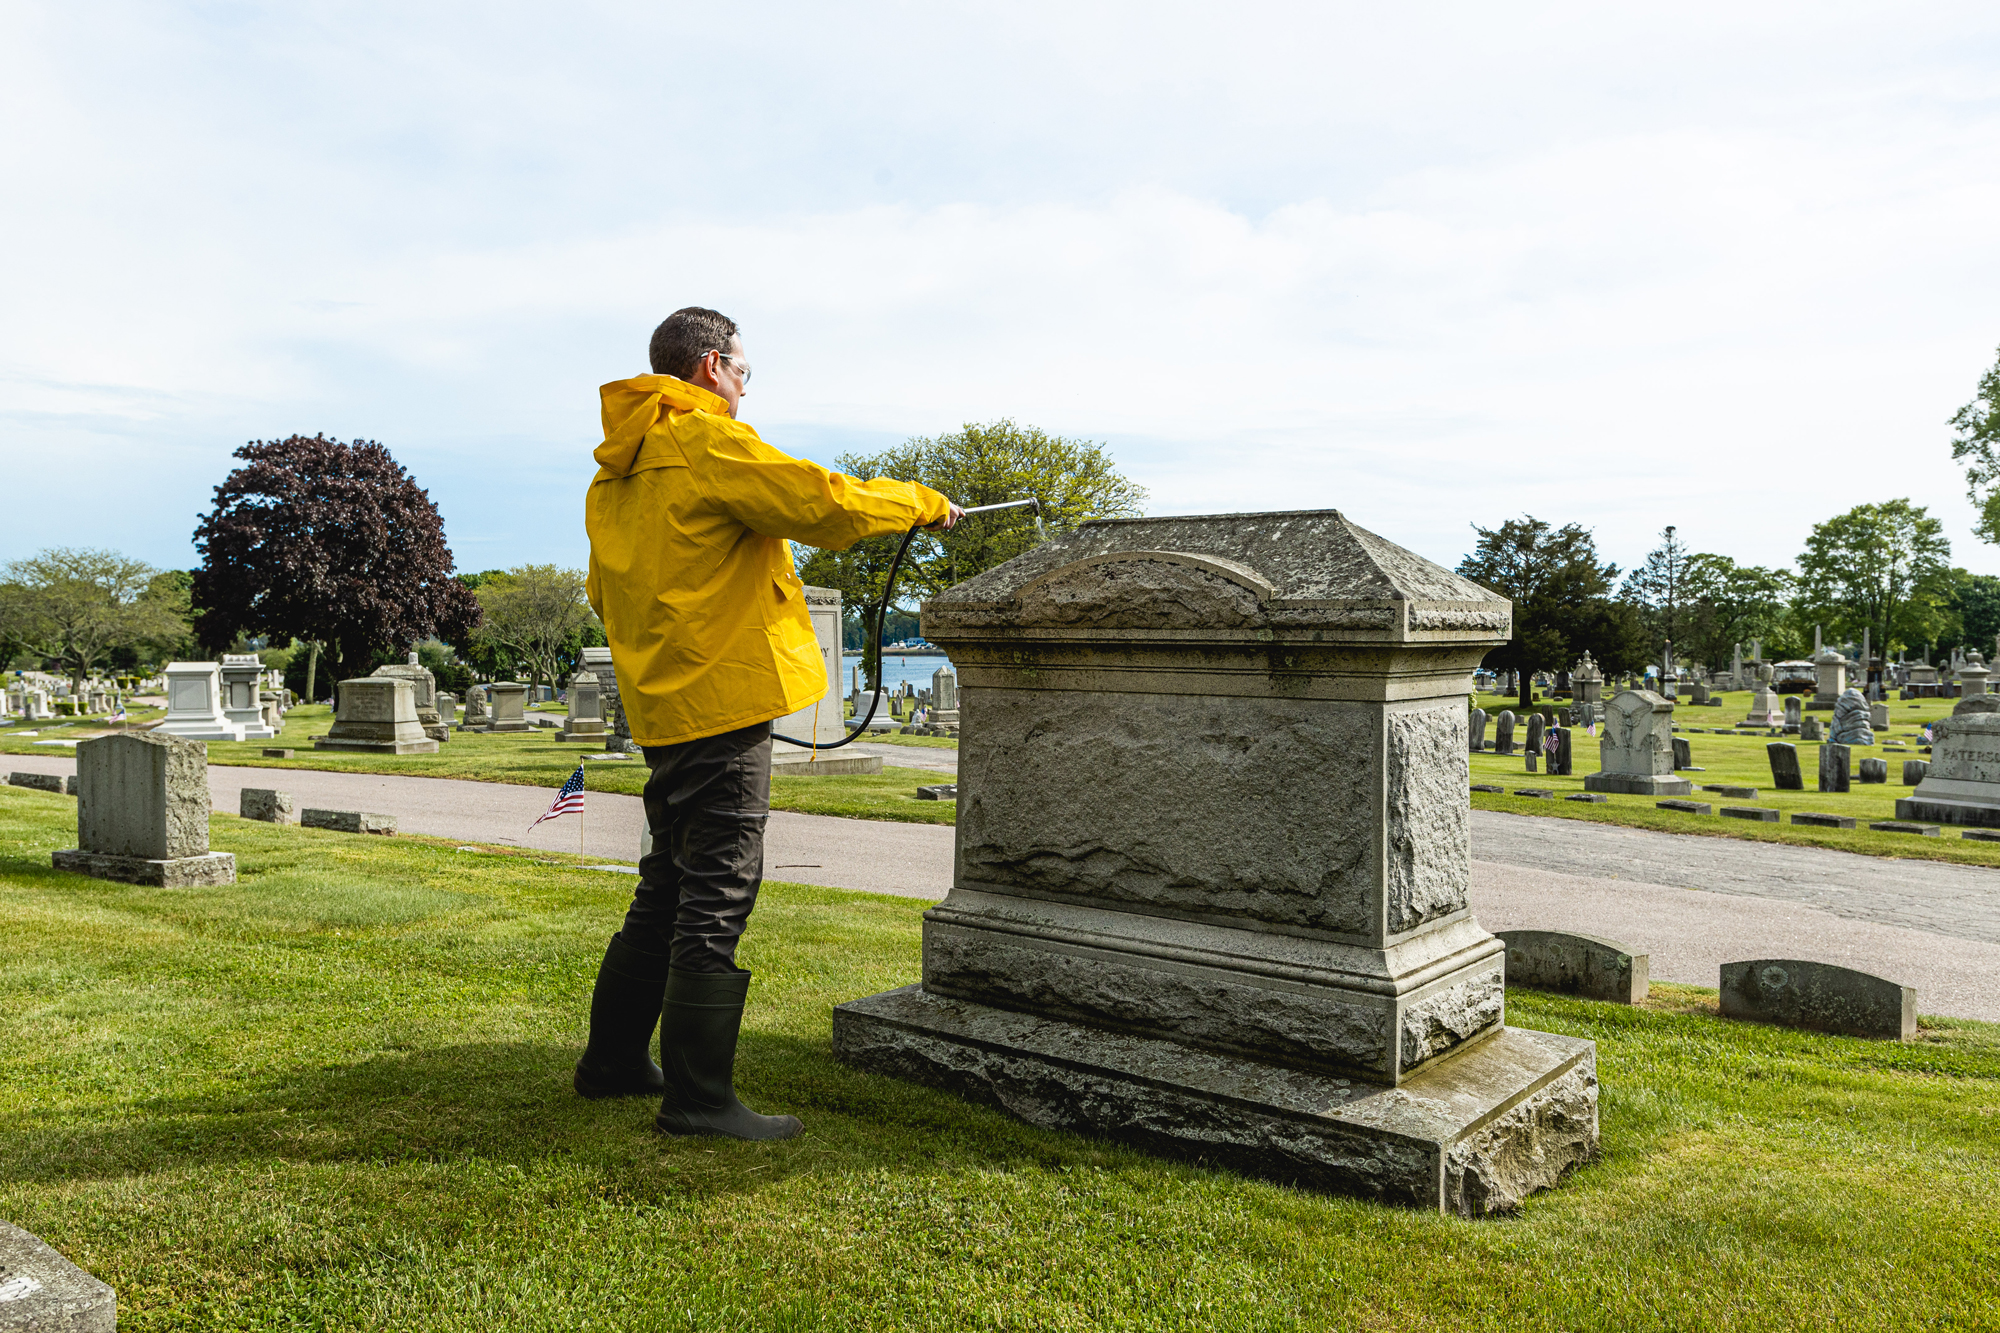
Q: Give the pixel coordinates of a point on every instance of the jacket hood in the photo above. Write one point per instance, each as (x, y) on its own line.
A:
(633, 407)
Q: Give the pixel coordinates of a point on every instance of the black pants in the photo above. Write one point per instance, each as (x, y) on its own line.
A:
(707, 802)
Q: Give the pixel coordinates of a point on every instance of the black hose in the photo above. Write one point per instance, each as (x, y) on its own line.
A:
(881, 614)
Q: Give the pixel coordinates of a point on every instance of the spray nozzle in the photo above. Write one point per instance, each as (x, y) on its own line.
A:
(1040, 533)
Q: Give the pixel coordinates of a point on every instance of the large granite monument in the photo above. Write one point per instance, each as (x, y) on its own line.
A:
(423, 692)
(1213, 850)
(242, 706)
(142, 813)
(194, 704)
(1962, 784)
(1851, 720)
(508, 706)
(377, 714)
(586, 709)
(1636, 752)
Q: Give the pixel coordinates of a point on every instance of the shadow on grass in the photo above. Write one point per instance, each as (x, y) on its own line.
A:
(511, 1102)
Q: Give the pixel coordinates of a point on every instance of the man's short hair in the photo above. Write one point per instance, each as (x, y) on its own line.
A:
(686, 336)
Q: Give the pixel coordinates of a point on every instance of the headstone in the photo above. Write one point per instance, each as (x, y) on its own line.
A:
(1683, 754)
(274, 714)
(1533, 748)
(1873, 770)
(1162, 969)
(1503, 732)
(1478, 729)
(1812, 729)
(820, 721)
(1636, 752)
(1587, 686)
(142, 813)
(348, 821)
(194, 704)
(1850, 720)
(1972, 677)
(1822, 997)
(423, 693)
(447, 705)
(1585, 965)
(586, 708)
(1560, 757)
(597, 661)
(1765, 710)
(60, 784)
(1812, 820)
(1829, 678)
(1833, 767)
(1962, 785)
(377, 714)
(242, 682)
(267, 804)
(476, 716)
(944, 687)
(1785, 775)
(1914, 771)
(508, 701)
(41, 1290)
(1794, 711)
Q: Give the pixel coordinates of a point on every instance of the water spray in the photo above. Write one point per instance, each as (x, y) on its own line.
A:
(881, 614)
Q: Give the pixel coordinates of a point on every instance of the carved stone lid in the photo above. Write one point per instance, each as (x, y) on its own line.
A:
(1236, 573)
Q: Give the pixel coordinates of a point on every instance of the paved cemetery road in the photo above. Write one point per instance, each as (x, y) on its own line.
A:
(1691, 902)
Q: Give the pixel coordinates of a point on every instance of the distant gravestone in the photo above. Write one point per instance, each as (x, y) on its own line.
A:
(1559, 757)
(348, 821)
(423, 693)
(1914, 771)
(1834, 768)
(1785, 775)
(1872, 770)
(1850, 720)
(618, 739)
(1636, 752)
(267, 804)
(1765, 710)
(1796, 993)
(586, 708)
(41, 1290)
(194, 704)
(377, 715)
(1683, 753)
(1533, 750)
(1794, 711)
(475, 708)
(1478, 729)
(1585, 965)
(1812, 729)
(242, 675)
(1503, 732)
(508, 700)
(142, 813)
(1878, 716)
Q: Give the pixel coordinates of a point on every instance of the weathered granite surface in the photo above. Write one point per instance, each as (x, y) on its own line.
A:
(1636, 751)
(267, 804)
(424, 693)
(59, 783)
(142, 813)
(1472, 1135)
(1962, 784)
(1586, 965)
(377, 714)
(42, 1292)
(348, 821)
(1851, 721)
(180, 872)
(1798, 993)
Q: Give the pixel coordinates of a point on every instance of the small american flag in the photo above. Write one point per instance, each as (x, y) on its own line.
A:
(569, 801)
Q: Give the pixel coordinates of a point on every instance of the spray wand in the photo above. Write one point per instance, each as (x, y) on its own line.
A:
(882, 610)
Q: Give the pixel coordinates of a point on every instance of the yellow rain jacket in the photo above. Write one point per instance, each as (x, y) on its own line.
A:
(690, 566)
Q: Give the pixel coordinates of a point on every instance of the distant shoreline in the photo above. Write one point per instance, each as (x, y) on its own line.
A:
(897, 652)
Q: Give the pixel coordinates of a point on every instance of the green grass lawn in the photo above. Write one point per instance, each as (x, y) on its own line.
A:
(335, 1095)
(537, 759)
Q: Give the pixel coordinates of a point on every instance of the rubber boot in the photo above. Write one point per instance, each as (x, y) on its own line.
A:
(698, 1027)
(623, 1009)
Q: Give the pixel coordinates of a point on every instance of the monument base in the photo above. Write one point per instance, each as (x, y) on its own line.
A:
(507, 726)
(180, 872)
(1944, 810)
(440, 732)
(794, 762)
(1474, 1133)
(43, 1290)
(1635, 784)
(424, 746)
(584, 730)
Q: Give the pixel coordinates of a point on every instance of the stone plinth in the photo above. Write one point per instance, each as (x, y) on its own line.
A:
(242, 688)
(142, 813)
(423, 690)
(586, 717)
(377, 714)
(268, 805)
(41, 1290)
(508, 702)
(194, 704)
(1765, 708)
(1829, 679)
(1636, 752)
(1149, 908)
(1796, 993)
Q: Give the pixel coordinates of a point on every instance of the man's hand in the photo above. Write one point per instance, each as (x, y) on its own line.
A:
(946, 523)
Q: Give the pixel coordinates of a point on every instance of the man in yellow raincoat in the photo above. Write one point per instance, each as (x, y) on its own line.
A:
(691, 517)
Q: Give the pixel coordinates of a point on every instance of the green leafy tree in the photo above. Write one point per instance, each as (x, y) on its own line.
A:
(1977, 429)
(1970, 615)
(1658, 588)
(1075, 480)
(74, 608)
(536, 617)
(1561, 596)
(1883, 568)
(1727, 604)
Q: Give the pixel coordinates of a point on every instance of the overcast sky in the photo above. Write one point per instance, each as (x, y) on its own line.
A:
(1725, 267)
